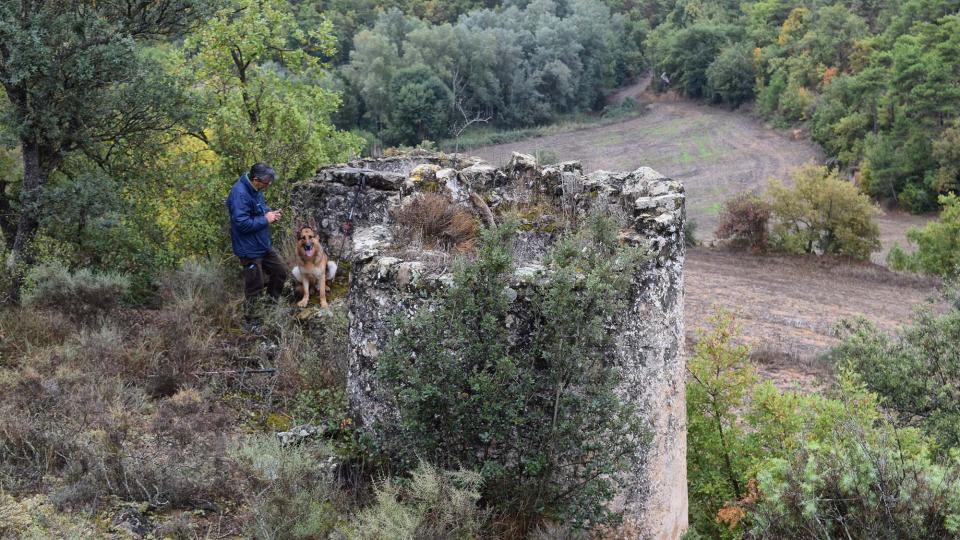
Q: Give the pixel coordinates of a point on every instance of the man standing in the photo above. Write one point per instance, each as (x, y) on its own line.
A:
(249, 230)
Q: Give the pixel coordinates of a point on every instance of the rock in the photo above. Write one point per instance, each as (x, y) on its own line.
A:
(423, 178)
(523, 169)
(482, 176)
(131, 520)
(565, 176)
(299, 434)
(350, 176)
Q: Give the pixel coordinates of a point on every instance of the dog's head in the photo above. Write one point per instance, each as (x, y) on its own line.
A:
(308, 241)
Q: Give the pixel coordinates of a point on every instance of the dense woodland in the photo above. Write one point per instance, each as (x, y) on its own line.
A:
(183, 98)
(124, 124)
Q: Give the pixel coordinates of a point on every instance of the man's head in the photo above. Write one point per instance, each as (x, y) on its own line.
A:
(262, 175)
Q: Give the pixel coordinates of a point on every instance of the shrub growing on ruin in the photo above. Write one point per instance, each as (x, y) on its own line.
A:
(537, 417)
(82, 295)
(744, 221)
(823, 214)
(438, 221)
(938, 244)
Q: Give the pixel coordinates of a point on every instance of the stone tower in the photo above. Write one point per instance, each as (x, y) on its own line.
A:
(386, 280)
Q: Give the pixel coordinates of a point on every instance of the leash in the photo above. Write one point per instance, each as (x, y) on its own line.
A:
(347, 227)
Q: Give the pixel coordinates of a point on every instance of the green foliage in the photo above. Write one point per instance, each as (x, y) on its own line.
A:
(258, 71)
(765, 463)
(840, 479)
(537, 418)
(83, 295)
(873, 80)
(937, 244)
(75, 82)
(795, 104)
(917, 372)
(520, 65)
(290, 490)
(768, 99)
(731, 76)
(823, 214)
(687, 54)
(421, 105)
(430, 504)
(718, 458)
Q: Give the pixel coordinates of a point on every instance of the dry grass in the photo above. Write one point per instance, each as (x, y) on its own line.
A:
(438, 223)
(116, 408)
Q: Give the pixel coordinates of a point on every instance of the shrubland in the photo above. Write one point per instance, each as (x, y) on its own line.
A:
(151, 412)
(146, 408)
(768, 463)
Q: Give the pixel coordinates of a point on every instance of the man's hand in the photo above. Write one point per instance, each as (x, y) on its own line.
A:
(273, 216)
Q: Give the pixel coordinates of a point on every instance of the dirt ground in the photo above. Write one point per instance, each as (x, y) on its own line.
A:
(787, 307)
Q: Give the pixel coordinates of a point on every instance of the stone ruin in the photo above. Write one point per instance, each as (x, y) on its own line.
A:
(388, 278)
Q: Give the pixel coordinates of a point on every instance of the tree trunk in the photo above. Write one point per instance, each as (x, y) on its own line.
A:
(34, 177)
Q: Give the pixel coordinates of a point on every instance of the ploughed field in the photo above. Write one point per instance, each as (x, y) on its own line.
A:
(787, 306)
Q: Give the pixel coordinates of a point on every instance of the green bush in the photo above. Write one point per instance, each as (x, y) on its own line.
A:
(766, 463)
(719, 454)
(768, 100)
(539, 418)
(917, 372)
(938, 244)
(823, 214)
(863, 479)
(82, 295)
(795, 104)
(430, 504)
(289, 490)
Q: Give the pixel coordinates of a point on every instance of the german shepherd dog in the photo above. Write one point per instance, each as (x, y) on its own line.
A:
(313, 268)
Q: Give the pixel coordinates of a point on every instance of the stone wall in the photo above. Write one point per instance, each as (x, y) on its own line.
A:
(387, 280)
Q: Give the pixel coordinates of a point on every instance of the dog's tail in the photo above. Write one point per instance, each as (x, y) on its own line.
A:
(331, 270)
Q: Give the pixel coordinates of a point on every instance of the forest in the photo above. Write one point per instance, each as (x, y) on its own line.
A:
(124, 123)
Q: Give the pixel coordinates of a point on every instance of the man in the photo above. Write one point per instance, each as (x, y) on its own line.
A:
(250, 218)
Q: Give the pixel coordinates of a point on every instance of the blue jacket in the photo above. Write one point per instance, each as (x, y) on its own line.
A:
(248, 221)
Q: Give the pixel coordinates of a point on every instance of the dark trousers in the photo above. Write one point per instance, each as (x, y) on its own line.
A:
(253, 275)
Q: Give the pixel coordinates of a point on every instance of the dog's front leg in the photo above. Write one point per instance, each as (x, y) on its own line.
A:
(322, 285)
(305, 283)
